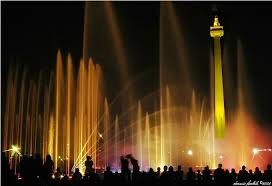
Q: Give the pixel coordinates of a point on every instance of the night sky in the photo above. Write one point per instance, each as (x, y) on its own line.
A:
(33, 32)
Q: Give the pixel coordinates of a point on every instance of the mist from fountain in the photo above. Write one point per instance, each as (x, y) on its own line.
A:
(68, 115)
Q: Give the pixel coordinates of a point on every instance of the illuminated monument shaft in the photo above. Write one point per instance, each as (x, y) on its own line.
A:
(216, 31)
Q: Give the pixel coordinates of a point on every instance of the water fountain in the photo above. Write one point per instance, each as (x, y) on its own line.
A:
(68, 115)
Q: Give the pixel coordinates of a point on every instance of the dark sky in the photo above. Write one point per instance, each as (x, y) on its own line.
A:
(32, 33)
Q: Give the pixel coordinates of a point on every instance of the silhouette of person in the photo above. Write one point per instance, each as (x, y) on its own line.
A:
(207, 175)
(151, 177)
(117, 179)
(23, 166)
(31, 168)
(48, 166)
(228, 179)
(157, 176)
(143, 179)
(164, 176)
(233, 175)
(171, 176)
(135, 168)
(257, 174)
(250, 175)
(219, 174)
(134, 162)
(76, 178)
(38, 165)
(243, 175)
(88, 165)
(158, 173)
(268, 173)
(125, 172)
(179, 175)
(199, 177)
(4, 169)
(64, 181)
(108, 176)
(94, 179)
(191, 176)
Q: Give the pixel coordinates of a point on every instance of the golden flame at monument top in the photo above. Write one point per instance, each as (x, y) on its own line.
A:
(216, 31)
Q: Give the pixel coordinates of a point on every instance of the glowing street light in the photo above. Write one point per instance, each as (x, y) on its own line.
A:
(221, 157)
(14, 150)
(255, 151)
(190, 152)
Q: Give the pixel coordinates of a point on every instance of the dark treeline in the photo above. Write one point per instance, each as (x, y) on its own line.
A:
(34, 171)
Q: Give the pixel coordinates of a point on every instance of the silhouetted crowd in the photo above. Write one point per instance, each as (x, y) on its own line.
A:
(33, 171)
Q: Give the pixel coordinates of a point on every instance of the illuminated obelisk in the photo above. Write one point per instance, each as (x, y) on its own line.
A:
(216, 31)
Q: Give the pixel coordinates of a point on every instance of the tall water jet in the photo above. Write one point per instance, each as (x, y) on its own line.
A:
(175, 79)
(106, 129)
(69, 116)
(102, 18)
(116, 142)
(51, 135)
(58, 106)
(87, 113)
(69, 103)
(139, 134)
(148, 141)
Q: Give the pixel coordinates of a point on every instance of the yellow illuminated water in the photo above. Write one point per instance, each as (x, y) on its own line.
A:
(68, 115)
